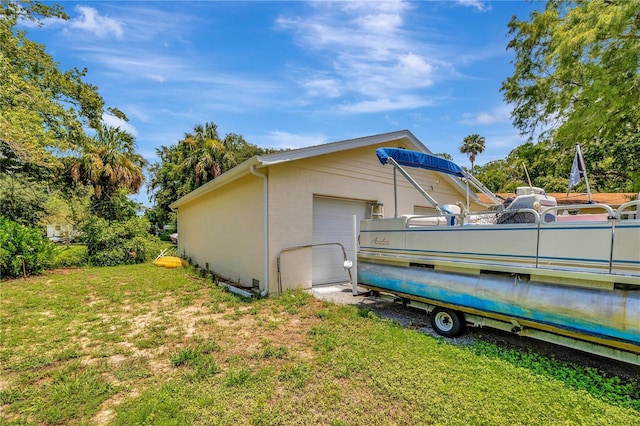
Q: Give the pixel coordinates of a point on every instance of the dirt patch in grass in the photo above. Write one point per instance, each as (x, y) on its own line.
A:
(106, 413)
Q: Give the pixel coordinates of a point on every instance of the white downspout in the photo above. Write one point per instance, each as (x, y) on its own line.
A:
(265, 217)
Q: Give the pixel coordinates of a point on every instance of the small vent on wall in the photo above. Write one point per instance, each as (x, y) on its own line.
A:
(255, 283)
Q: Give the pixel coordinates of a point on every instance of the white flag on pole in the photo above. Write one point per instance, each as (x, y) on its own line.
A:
(577, 170)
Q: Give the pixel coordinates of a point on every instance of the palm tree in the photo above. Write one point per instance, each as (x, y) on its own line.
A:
(472, 145)
(205, 156)
(109, 163)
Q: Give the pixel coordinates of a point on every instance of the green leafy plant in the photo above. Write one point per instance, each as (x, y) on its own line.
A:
(591, 380)
(237, 377)
(277, 352)
(23, 250)
(296, 375)
(70, 256)
(111, 243)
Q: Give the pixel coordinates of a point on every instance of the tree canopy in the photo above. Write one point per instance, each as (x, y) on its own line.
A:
(577, 80)
(473, 145)
(109, 164)
(42, 108)
(199, 157)
(576, 70)
(45, 114)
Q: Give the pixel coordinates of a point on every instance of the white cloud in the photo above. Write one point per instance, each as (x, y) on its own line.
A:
(322, 87)
(386, 104)
(366, 52)
(391, 121)
(482, 6)
(500, 114)
(412, 70)
(136, 112)
(113, 121)
(285, 140)
(135, 63)
(91, 21)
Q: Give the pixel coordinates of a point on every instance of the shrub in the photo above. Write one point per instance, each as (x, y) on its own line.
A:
(165, 236)
(23, 250)
(70, 256)
(111, 243)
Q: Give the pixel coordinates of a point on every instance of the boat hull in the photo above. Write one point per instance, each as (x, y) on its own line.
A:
(609, 317)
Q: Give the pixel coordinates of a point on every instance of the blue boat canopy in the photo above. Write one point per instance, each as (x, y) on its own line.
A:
(421, 160)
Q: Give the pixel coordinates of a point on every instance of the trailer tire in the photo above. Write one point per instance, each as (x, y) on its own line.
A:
(447, 322)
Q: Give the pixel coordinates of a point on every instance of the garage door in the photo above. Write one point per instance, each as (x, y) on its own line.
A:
(332, 223)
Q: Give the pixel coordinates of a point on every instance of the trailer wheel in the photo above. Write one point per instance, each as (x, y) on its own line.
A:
(446, 322)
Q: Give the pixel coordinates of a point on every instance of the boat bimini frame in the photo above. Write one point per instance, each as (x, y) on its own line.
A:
(399, 157)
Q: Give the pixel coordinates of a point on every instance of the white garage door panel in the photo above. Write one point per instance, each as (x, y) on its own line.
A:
(333, 223)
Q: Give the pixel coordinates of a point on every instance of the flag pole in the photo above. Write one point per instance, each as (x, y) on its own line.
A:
(584, 170)
(528, 178)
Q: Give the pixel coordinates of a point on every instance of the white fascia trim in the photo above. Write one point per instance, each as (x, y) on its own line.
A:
(328, 148)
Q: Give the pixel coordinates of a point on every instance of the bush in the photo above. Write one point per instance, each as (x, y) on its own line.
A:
(23, 250)
(165, 236)
(111, 243)
(70, 256)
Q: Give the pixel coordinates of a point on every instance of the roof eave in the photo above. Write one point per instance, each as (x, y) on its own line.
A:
(329, 148)
(297, 154)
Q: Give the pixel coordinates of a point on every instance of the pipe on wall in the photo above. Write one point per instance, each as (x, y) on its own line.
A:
(265, 216)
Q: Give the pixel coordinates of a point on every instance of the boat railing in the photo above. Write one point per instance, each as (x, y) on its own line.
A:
(579, 213)
(563, 213)
(486, 217)
(625, 210)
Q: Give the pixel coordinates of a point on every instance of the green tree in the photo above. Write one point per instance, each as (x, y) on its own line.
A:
(206, 156)
(42, 109)
(472, 145)
(110, 164)
(198, 158)
(166, 184)
(577, 80)
(445, 155)
(22, 198)
(121, 242)
(44, 115)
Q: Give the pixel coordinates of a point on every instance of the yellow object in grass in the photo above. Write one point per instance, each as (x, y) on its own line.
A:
(169, 262)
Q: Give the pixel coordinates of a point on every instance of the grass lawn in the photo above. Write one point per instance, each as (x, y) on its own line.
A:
(149, 346)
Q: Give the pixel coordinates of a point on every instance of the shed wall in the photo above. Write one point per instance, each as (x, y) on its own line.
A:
(225, 229)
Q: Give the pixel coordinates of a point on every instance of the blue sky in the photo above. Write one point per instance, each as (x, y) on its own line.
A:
(293, 74)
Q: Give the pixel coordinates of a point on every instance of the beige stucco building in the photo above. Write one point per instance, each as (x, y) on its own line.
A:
(260, 224)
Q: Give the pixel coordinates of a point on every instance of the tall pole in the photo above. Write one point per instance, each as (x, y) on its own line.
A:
(527, 173)
(395, 193)
(467, 180)
(584, 170)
